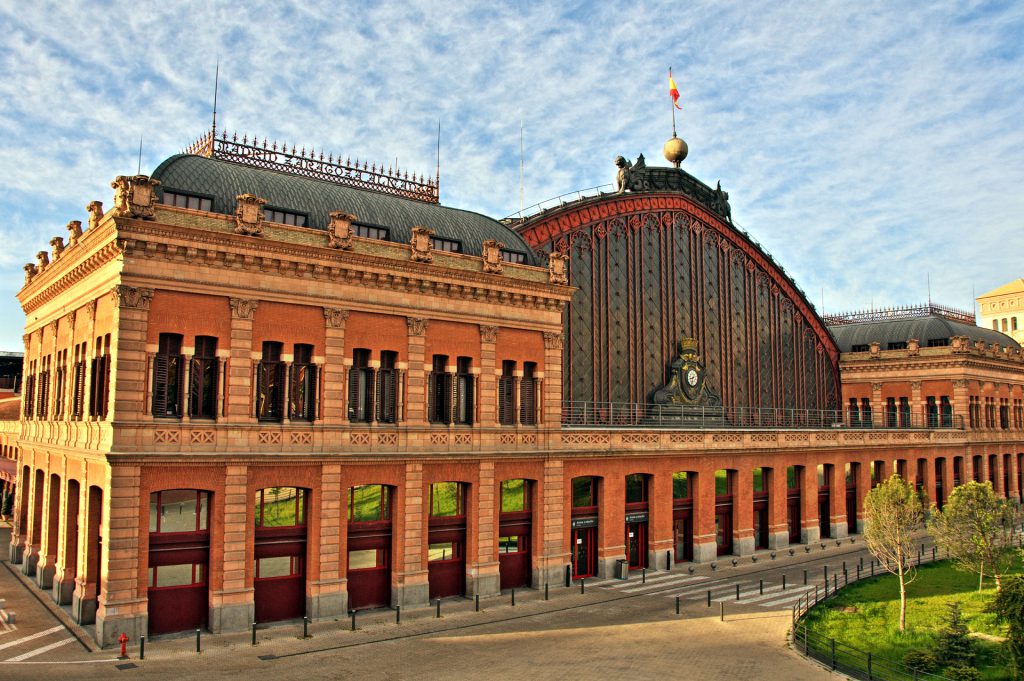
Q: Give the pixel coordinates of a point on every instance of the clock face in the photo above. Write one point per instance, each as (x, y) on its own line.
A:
(691, 377)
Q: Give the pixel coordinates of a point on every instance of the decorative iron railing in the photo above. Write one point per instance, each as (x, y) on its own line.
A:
(628, 415)
(313, 164)
(900, 312)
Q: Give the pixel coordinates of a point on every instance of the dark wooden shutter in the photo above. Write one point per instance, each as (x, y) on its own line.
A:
(195, 387)
(507, 400)
(262, 398)
(312, 392)
(159, 385)
(353, 394)
(79, 396)
(527, 401)
(281, 372)
(387, 395)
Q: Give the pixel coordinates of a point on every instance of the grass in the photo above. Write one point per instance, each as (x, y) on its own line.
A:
(872, 620)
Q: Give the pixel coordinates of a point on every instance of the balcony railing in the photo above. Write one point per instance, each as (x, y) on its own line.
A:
(629, 415)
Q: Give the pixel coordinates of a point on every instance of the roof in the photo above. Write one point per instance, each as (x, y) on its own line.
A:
(924, 329)
(1015, 286)
(223, 181)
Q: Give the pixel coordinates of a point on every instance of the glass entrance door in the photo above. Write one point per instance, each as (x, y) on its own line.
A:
(584, 553)
(636, 545)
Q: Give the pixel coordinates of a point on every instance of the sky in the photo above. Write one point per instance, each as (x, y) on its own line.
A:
(870, 147)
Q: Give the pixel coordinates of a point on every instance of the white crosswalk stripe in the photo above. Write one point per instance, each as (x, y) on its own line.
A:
(40, 651)
(31, 637)
(681, 581)
(651, 579)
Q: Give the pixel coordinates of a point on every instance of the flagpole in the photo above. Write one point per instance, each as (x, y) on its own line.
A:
(672, 105)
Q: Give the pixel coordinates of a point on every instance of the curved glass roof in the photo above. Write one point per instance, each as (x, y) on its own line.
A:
(924, 329)
(222, 181)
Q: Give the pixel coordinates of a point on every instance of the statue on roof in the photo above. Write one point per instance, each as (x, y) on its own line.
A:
(629, 176)
(720, 202)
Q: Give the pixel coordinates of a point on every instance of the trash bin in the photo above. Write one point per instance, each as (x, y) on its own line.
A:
(622, 569)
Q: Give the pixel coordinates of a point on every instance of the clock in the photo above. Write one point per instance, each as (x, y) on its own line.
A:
(691, 377)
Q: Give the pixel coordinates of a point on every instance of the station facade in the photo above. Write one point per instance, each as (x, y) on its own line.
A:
(264, 386)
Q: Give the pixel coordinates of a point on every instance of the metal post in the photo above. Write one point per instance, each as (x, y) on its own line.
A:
(398, 614)
(583, 585)
(826, 573)
(513, 598)
(476, 603)
(709, 598)
(835, 584)
(869, 666)
(815, 593)
(199, 641)
(353, 613)
(677, 604)
(805, 577)
(722, 616)
(737, 592)
(844, 566)
(568, 576)
(643, 576)
(783, 582)
(668, 560)
(305, 627)
(438, 608)
(833, 654)
(760, 587)
(933, 553)
(254, 633)
(862, 561)
(858, 573)
(545, 591)
(872, 568)
(142, 647)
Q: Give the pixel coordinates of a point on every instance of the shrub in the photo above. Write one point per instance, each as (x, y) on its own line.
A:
(952, 645)
(961, 672)
(923, 661)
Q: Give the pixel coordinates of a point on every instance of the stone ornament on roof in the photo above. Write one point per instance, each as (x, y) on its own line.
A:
(43, 259)
(421, 244)
(57, 244)
(340, 229)
(249, 215)
(558, 268)
(30, 271)
(493, 263)
(134, 196)
(75, 230)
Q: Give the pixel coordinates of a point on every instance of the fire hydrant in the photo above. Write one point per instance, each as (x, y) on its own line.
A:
(123, 640)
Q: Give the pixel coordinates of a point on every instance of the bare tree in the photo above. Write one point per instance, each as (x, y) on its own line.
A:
(894, 514)
(976, 528)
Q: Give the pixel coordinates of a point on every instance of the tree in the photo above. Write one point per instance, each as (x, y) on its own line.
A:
(1009, 608)
(976, 528)
(953, 645)
(893, 514)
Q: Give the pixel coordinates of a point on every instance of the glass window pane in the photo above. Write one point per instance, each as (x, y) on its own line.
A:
(199, 579)
(444, 499)
(821, 475)
(277, 566)
(442, 551)
(513, 496)
(635, 489)
(680, 486)
(280, 507)
(721, 482)
(791, 479)
(204, 510)
(174, 575)
(367, 503)
(363, 559)
(153, 512)
(152, 575)
(511, 544)
(178, 510)
(583, 492)
(758, 479)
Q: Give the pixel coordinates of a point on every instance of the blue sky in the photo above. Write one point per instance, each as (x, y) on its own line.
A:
(865, 145)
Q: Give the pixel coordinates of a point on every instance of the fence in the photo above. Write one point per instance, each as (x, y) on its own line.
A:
(635, 415)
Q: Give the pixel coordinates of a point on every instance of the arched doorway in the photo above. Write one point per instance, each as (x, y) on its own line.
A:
(179, 555)
(369, 546)
(279, 552)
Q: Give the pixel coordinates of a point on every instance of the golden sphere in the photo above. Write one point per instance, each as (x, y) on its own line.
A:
(675, 151)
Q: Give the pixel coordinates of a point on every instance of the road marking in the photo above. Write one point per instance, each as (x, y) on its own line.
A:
(30, 637)
(40, 651)
(697, 592)
(651, 587)
(633, 582)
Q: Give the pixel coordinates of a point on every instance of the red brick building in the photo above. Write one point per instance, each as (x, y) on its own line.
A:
(266, 385)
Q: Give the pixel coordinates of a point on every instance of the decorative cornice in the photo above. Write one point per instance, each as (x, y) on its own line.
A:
(335, 317)
(132, 297)
(417, 326)
(243, 308)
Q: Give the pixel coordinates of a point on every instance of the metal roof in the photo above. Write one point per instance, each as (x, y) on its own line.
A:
(924, 329)
(222, 181)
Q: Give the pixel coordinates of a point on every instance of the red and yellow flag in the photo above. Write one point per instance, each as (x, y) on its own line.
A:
(673, 91)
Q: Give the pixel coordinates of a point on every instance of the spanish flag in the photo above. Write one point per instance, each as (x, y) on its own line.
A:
(673, 91)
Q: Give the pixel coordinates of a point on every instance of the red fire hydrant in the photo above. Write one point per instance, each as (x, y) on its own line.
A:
(123, 640)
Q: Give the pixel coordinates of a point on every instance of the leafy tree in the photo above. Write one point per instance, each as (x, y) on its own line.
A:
(976, 528)
(953, 646)
(893, 514)
(1009, 608)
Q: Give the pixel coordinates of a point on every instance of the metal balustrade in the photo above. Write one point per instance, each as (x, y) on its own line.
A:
(585, 414)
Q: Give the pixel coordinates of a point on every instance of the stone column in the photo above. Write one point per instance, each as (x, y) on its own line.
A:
(863, 487)
(929, 477)
(552, 385)
(837, 501)
(743, 512)
(488, 395)
(611, 524)
(659, 521)
(412, 587)
(416, 398)
(239, 399)
(878, 415)
(1013, 492)
(48, 539)
(35, 522)
(961, 403)
(328, 596)
(778, 527)
(705, 549)
(917, 410)
(810, 523)
(483, 577)
(549, 566)
(121, 608)
(232, 607)
(67, 557)
(334, 373)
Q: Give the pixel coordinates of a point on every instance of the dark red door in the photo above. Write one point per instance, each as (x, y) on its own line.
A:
(636, 545)
(851, 510)
(584, 552)
(178, 592)
(723, 528)
(446, 566)
(369, 565)
(682, 530)
(280, 575)
(793, 516)
(514, 550)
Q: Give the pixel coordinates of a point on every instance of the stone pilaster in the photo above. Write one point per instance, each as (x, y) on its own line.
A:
(240, 371)
(416, 398)
(483, 577)
(49, 538)
(334, 372)
(327, 594)
(810, 523)
(778, 527)
(705, 548)
(863, 487)
(121, 609)
(919, 415)
(34, 524)
(411, 579)
(659, 522)
(961, 403)
(128, 334)
(488, 395)
(232, 606)
(552, 395)
(837, 502)
(549, 565)
(743, 541)
(67, 555)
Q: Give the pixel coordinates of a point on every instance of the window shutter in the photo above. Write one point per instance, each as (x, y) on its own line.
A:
(80, 388)
(353, 395)
(159, 385)
(282, 376)
(527, 399)
(449, 398)
(195, 386)
(312, 392)
(105, 408)
(388, 396)
(371, 384)
(262, 397)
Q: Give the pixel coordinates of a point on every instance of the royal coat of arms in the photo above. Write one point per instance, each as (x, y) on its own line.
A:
(687, 382)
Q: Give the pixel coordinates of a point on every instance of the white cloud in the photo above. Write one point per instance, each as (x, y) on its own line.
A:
(863, 144)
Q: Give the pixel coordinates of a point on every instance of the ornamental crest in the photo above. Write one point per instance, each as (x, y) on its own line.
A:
(492, 256)
(249, 217)
(134, 196)
(558, 268)
(421, 244)
(340, 230)
(687, 383)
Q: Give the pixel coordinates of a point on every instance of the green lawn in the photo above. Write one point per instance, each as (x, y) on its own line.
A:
(866, 615)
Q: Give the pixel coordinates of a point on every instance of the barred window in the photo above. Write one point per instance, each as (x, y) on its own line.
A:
(182, 200)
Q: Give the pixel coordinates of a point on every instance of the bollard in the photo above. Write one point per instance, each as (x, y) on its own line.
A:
(760, 587)
(835, 584)
(199, 641)
(513, 598)
(398, 614)
(846, 580)
(858, 573)
(872, 568)
(815, 593)
(826, 573)
(862, 561)
(783, 582)
(737, 592)
(305, 627)
(353, 614)
(933, 553)
(545, 591)
(709, 599)
(805, 577)
(476, 603)
(668, 560)
(722, 616)
(438, 608)
(844, 566)
(583, 585)
(142, 647)
(254, 633)
(826, 589)
(643, 576)
(568, 576)
(677, 604)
